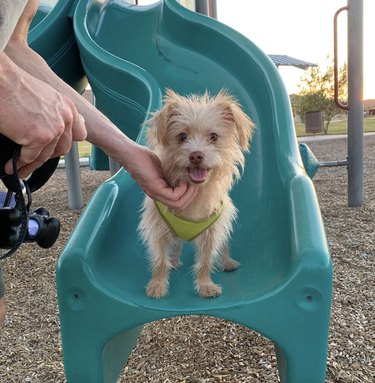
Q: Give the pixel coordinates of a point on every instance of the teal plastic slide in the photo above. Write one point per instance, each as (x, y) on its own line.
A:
(51, 35)
(130, 54)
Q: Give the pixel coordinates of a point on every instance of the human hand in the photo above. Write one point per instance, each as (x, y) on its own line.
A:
(145, 167)
(37, 117)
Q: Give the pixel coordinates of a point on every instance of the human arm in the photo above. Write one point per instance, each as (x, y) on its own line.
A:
(141, 163)
(35, 116)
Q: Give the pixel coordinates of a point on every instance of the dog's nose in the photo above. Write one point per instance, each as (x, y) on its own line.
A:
(196, 157)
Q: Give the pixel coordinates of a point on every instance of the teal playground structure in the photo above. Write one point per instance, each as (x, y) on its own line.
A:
(130, 54)
(51, 34)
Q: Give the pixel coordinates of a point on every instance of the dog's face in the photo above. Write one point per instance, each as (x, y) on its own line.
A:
(200, 139)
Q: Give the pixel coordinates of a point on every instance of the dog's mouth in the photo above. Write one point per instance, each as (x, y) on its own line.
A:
(197, 174)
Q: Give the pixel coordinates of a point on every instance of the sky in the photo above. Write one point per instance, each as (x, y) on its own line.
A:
(299, 28)
(302, 29)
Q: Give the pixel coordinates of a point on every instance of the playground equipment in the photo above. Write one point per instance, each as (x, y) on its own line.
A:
(355, 99)
(283, 287)
(354, 161)
(51, 35)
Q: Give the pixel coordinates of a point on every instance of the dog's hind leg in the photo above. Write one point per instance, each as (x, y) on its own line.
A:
(227, 263)
(158, 285)
(176, 252)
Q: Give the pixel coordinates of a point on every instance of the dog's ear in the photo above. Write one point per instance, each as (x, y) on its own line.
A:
(161, 120)
(233, 113)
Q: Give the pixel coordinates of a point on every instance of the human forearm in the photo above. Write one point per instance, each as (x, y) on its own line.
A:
(37, 117)
(100, 130)
(142, 164)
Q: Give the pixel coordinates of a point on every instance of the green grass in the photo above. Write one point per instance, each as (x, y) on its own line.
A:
(335, 127)
(84, 148)
(339, 127)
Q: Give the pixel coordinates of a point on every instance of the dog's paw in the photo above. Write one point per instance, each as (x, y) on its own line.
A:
(230, 265)
(156, 289)
(209, 290)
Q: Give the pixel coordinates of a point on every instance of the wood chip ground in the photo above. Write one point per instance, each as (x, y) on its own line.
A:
(202, 349)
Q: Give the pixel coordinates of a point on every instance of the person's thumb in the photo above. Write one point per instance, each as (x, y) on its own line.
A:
(79, 132)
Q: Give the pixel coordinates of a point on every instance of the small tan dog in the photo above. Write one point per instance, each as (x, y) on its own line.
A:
(200, 140)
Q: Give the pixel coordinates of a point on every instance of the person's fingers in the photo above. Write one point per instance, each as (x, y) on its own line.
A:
(75, 130)
(8, 168)
(187, 197)
(26, 162)
(27, 170)
(23, 170)
(28, 155)
(79, 132)
(35, 154)
(63, 143)
(179, 197)
(31, 153)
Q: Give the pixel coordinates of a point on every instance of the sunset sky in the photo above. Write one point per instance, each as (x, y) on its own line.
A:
(299, 28)
(302, 29)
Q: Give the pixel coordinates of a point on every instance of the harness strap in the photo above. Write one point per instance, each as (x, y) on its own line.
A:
(183, 228)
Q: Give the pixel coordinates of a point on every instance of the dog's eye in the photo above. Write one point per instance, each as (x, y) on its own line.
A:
(213, 137)
(182, 137)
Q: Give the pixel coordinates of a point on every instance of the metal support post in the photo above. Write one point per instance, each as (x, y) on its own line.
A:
(73, 175)
(114, 166)
(206, 7)
(355, 101)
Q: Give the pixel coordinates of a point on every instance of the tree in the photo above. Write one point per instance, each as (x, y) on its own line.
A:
(317, 92)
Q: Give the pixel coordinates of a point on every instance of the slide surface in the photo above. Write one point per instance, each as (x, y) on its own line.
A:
(51, 35)
(130, 55)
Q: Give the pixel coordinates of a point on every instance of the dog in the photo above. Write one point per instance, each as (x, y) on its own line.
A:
(200, 139)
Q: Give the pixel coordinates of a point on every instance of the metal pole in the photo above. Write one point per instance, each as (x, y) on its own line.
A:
(201, 6)
(206, 7)
(328, 164)
(114, 166)
(213, 9)
(73, 175)
(355, 101)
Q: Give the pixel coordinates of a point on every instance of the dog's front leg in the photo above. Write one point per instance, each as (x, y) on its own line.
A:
(158, 285)
(205, 257)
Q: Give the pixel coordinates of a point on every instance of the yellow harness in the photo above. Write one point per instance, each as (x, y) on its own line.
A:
(183, 228)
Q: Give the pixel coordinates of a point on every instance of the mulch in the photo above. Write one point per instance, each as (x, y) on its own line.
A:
(199, 349)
